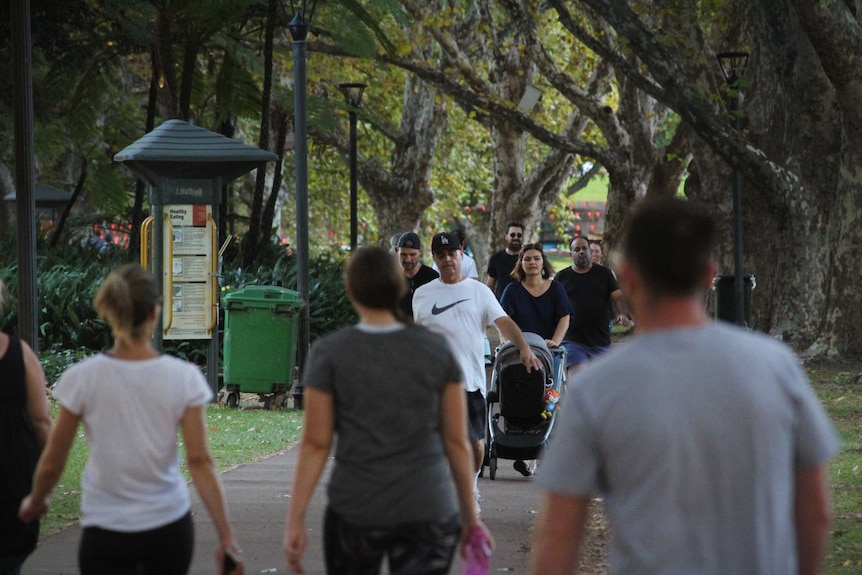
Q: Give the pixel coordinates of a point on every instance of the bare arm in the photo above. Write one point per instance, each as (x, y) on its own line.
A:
(558, 534)
(453, 413)
(491, 282)
(51, 464)
(813, 518)
(206, 481)
(560, 332)
(313, 450)
(511, 332)
(38, 407)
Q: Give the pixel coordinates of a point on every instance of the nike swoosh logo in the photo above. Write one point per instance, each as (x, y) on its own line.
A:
(438, 310)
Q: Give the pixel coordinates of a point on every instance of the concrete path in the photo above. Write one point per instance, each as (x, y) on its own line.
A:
(257, 496)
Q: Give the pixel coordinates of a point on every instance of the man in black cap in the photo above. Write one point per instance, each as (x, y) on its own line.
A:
(417, 274)
(461, 309)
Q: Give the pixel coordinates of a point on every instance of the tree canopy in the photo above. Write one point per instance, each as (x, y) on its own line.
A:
(631, 87)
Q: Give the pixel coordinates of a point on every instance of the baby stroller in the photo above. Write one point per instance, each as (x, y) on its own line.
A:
(521, 404)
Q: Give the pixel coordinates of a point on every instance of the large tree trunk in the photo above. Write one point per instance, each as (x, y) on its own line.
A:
(788, 238)
(798, 151)
(403, 194)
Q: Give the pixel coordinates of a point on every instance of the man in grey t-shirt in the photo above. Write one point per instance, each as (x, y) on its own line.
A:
(705, 440)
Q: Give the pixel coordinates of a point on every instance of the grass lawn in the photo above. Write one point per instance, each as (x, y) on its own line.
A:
(840, 392)
(560, 260)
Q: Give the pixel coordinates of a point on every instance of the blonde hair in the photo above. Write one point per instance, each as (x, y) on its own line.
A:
(127, 299)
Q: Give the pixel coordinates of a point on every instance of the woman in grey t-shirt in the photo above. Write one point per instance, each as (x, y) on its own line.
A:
(393, 395)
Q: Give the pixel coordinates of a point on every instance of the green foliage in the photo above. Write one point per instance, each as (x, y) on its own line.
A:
(67, 279)
(70, 275)
(57, 359)
(330, 308)
(361, 40)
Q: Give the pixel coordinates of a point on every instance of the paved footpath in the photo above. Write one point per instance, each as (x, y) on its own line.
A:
(257, 497)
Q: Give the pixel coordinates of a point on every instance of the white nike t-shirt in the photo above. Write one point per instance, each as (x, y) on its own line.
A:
(460, 312)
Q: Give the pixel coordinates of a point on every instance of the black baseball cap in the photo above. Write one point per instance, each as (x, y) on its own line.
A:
(410, 240)
(445, 241)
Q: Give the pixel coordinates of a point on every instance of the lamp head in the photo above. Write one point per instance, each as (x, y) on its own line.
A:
(732, 65)
(352, 93)
(300, 24)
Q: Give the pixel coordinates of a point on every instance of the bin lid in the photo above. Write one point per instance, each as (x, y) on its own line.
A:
(264, 296)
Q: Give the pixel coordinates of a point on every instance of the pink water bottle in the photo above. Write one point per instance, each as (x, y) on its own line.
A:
(478, 557)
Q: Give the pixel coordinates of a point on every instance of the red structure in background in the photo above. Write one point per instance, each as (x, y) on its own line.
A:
(588, 220)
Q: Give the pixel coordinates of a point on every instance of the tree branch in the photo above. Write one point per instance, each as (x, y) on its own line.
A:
(678, 93)
(836, 36)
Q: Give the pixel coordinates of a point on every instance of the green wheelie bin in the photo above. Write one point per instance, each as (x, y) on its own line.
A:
(260, 334)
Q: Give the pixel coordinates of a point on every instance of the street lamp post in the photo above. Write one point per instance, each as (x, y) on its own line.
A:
(732, 67)
(25, 201)
(299, 27)
(353, 98)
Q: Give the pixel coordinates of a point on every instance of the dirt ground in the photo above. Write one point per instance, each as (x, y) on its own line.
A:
(594, 557)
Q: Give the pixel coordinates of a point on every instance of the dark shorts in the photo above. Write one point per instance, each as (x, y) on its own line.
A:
(476, 415)
(417, 548)
(165, 550)
(576, 353)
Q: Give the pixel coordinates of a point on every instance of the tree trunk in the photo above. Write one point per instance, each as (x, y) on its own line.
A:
(165, 56)
(140, 186)
(256, 235)
(798, 151)
(402, 193)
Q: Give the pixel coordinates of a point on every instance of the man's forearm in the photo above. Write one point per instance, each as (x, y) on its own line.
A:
(813, 518)
(558, 534)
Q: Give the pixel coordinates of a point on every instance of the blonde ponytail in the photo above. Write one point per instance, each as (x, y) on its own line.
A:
(126, 300)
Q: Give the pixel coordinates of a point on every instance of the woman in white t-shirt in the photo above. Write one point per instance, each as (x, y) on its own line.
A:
(136, 510)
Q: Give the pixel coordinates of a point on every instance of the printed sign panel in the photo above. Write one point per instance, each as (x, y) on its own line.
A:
(189, 310)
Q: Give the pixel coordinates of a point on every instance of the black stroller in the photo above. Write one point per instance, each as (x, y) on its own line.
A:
(522, 405)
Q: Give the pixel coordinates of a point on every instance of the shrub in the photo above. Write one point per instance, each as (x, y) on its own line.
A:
(69, 276)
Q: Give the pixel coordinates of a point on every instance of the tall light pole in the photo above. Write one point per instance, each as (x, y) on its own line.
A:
(299, 27)
(353, 98)
(733, 67)
(25, 200)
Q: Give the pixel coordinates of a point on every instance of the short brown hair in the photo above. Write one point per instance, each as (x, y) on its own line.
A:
(670, 241)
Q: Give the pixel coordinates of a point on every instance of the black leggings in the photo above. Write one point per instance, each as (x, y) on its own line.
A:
(165, 550)
(420, 548)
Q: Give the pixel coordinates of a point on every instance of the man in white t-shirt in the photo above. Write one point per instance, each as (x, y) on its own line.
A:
(461, 309)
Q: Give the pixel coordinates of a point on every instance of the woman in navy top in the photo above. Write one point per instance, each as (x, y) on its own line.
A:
(536, 302)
